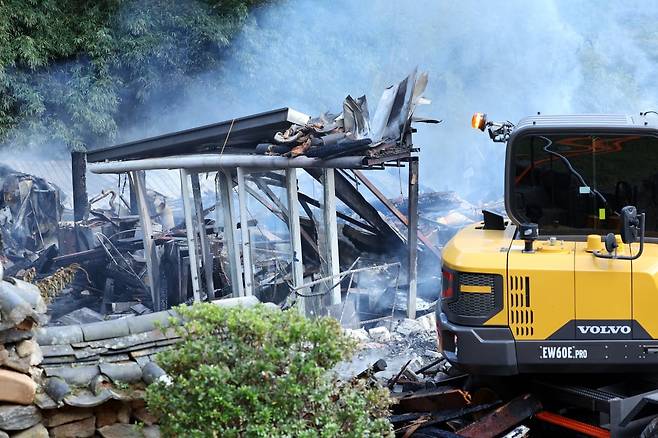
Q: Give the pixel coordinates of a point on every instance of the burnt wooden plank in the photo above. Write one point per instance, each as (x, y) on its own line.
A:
(503, 418)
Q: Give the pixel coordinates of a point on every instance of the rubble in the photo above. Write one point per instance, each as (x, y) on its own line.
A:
(107, 279)
(30, 215)
(431, 398)
(380, 334)
(102, 258)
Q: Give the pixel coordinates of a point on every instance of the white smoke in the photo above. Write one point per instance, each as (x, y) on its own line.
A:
(507, 58)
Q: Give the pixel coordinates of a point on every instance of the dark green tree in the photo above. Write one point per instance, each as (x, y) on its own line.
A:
(76, 71)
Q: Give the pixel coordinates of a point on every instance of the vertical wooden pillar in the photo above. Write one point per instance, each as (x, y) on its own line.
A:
(412, 237)
(223, 186)
(244, 231)
(330, 233)
(295, 233)
(192, 245)
(206, 256)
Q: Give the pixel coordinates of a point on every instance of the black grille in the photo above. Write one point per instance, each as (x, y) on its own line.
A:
(473, 308)
(473, 304)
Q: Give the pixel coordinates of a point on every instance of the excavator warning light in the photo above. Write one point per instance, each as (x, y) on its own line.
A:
(479, 121)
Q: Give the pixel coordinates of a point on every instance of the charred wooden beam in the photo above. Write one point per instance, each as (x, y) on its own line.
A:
(308, 200)
(90, 256)
(373, 369)
(503, 418)
(349, 195)
(394, 210)
(79, 181)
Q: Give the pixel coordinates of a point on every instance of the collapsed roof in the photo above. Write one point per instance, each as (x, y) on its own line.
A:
(289, 133)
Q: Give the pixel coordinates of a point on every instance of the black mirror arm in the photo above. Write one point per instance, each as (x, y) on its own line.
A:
(633, 257)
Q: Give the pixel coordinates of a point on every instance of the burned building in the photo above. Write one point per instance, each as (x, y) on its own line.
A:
(278, 205)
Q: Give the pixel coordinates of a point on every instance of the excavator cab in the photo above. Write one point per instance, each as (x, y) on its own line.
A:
(569, 283)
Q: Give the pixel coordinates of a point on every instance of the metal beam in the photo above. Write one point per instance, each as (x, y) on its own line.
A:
(192, 245)
(330, 231)
(412, 237)
(224, 185)
(393, 209)
(206, 256)
(295, 233)
(244, 232)
(150, 250)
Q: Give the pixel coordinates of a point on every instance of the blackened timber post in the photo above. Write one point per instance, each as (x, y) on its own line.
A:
(79, 182)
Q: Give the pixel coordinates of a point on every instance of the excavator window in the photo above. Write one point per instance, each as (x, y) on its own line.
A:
(578, 184)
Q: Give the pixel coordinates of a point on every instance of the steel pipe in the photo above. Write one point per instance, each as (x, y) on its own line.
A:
(209, 162)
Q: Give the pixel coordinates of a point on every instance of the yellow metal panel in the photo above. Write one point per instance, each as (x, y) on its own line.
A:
(645, 288)
(603, 286)
(540, 289)
(475, 289)
(481, 251)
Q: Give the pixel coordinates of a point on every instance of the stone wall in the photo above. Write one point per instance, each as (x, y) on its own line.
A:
(78, 380)
(21, 308)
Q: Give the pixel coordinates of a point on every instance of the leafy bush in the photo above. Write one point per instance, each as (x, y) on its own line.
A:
(262, 373)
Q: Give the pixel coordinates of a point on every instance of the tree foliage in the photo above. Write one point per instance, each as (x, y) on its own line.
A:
(262, 373)
(76, 71)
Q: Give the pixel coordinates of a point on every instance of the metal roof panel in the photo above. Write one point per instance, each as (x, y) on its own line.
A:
(242, 132)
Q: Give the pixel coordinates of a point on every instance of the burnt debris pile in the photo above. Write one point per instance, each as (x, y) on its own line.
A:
(431, 398)
(353, 132)
(30, 212)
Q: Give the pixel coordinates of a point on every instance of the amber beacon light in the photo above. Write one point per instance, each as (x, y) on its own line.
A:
(479, 121)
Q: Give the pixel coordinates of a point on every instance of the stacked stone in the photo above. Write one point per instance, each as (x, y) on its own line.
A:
(112, 419)
(95, 375)
(80, 380)
(21, 309)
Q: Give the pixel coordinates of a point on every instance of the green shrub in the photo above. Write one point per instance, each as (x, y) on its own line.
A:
(262, 373)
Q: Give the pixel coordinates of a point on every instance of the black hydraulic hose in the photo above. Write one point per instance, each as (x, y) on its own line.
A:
(573, 171)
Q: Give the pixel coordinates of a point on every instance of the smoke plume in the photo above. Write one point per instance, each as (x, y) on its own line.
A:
(506, 58)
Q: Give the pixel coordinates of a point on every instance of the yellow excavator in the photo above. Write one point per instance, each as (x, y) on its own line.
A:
(567, 280)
